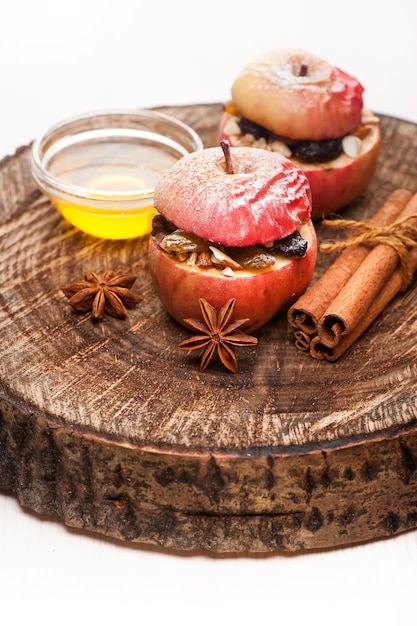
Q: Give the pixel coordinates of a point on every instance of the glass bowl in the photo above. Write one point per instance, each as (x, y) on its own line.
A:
(99, 169)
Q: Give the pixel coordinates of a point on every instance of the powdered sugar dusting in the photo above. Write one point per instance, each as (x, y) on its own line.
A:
(281, 69)
(266, 198)
(298, 95)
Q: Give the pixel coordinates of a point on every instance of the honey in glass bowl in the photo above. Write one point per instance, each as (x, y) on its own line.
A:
(100, 169)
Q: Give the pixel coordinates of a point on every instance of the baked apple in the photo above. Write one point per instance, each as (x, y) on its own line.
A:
(295, 103)
(232, 223)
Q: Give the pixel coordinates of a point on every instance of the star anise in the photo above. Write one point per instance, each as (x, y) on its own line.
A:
(217, 332)
(109, 294)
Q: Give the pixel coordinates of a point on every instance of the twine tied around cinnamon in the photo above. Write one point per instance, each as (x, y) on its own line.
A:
(399, 235)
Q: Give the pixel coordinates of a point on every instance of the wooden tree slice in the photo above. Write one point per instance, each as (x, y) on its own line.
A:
(110, 427)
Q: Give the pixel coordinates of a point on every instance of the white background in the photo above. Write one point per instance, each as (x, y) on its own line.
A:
(60, 58)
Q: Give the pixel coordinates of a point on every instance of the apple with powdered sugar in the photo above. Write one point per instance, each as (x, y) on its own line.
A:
(232, 223)
(295, 103)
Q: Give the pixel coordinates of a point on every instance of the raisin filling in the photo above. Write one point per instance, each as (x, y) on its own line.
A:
(193, 250)
(252, 128)
(293, 245)
(317, 151)
(307, 151)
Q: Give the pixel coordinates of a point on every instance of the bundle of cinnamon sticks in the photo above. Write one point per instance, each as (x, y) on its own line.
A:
(369, 271)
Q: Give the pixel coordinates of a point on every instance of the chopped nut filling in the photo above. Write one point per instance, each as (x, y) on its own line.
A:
(190, 249)
(246, 133)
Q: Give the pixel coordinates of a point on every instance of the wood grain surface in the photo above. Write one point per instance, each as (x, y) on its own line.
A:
(110, 427)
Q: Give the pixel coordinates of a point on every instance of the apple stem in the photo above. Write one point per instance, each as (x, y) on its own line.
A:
(225, 145)
(303, 69)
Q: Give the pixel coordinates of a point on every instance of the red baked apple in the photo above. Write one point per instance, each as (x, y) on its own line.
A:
(299, 105)
(232, 225)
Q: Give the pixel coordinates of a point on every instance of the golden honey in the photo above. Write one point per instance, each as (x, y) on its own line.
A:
(100, 171)
(117, 171)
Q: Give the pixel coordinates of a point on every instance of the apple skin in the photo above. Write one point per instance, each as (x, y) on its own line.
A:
(324, 103)
(259, 295)
(334, 184)
(265, 198)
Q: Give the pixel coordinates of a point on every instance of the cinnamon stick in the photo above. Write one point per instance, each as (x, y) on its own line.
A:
(320, 350)
(306, 313)
(353, 304)
(302, 340)
(363, 282)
